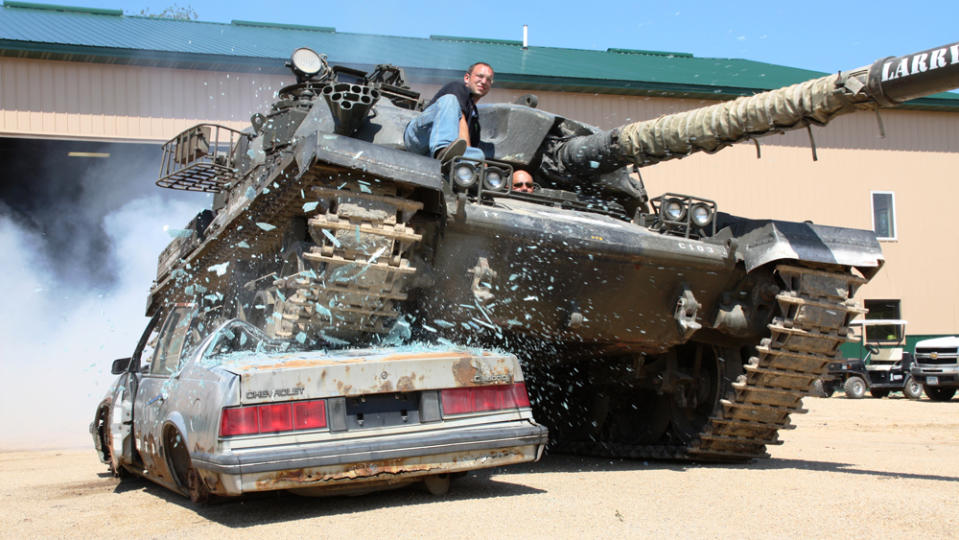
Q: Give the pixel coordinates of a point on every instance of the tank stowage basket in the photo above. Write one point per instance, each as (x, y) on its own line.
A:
(199, 159)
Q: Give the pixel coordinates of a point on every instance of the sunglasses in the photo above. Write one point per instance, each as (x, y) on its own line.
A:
(522, 184)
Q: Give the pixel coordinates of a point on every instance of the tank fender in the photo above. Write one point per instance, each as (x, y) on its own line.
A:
(760, 242)
(315, 140)
(304, 152)
(388, 163)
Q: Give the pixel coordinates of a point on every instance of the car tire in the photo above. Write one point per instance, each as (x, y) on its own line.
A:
(437, 484)
(181, 467)
(854, 387)
(879, 394)
(912, 389)
(939, 393)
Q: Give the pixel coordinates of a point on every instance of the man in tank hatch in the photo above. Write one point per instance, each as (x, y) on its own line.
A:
(523, 182)
(449, 126)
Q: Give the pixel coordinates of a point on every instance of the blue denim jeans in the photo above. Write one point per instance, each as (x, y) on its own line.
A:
(437, 127)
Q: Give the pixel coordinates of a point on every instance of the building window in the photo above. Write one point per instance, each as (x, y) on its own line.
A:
(883, 309)
(884, 214)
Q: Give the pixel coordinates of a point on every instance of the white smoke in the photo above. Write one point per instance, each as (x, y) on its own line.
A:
(58, 337)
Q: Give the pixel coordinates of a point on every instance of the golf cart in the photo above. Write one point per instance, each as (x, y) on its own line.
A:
(881, 366)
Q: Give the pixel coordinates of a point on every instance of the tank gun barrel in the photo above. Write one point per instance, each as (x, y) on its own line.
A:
(885, 83)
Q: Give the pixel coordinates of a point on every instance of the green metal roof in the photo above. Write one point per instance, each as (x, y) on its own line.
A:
(99, 35)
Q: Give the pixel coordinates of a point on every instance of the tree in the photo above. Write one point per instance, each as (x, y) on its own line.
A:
(185, 13)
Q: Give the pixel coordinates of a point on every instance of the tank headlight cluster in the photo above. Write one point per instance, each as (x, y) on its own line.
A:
(495, 179)
(684, 215)
(307, 63)
(673, 209)
(464, 174)
(478, 176)
(701, 214)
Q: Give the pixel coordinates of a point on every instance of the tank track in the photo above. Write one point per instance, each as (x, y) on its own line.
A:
(350, 280)
(817, 308)
(346, 281)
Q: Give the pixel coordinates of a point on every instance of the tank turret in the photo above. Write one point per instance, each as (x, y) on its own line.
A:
(654, 327)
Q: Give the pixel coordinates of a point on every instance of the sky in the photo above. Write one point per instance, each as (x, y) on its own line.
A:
(819, 35)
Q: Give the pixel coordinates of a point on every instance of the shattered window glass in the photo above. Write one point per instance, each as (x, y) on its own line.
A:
(240, 337)
(172, 338)
(149, 349)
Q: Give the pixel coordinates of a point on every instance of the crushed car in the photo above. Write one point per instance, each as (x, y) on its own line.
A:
(224, 410)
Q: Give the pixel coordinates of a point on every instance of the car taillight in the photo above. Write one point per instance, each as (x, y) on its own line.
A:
(309, 414)
(484, 398)
(238, 421)
(273, 418)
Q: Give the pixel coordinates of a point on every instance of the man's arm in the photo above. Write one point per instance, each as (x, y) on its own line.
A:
(465, 130)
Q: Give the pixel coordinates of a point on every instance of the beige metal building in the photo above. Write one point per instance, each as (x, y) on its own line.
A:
(75, 88)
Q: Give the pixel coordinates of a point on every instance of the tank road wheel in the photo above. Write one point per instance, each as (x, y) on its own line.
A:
(819, 389)
(912, 389)
(879, 394)
(708, 374)
(181, 468)
(854, 387)
(639, 419)
(939, 393)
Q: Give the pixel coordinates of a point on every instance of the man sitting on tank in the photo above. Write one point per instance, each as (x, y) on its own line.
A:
(449, 127)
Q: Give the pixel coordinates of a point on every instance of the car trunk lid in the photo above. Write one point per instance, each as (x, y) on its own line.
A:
(324, 374)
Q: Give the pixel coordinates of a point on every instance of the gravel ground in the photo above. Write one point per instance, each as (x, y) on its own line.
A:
(851, 468)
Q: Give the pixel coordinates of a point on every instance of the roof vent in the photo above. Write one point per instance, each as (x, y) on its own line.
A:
(435, 37)
(327, 29)
(651, 53)
(67, 9)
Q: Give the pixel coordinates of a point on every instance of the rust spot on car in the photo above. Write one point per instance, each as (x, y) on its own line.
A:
(281, 479)
(214, 482)
(385, 471)
(405, 384)
(198, 448)
(464, 371)
(387, 386)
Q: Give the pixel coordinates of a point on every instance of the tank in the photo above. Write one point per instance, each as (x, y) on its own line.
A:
(650, 327)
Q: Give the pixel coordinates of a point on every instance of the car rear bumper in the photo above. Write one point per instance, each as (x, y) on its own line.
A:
(377, 459)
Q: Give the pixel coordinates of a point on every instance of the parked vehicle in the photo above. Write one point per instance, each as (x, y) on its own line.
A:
(231, 411)
(881, 367)
(937, 367)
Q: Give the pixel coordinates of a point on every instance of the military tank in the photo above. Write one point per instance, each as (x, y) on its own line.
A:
(653, 327)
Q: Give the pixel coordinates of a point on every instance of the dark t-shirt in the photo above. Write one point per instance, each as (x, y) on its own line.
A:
(467, 106)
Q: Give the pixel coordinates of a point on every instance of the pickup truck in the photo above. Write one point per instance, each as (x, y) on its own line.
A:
(936, 366)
